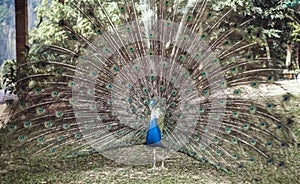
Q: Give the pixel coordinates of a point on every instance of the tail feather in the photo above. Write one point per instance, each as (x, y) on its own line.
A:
(94, 94)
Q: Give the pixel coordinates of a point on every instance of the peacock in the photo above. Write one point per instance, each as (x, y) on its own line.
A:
(155, 77)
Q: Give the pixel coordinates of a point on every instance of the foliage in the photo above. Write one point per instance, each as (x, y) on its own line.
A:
(8, 73)
(50, 32)
(271, 19)
(295, 29)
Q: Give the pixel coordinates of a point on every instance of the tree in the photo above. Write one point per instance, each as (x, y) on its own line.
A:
(21, 29)
(295, 25)
(271, 18)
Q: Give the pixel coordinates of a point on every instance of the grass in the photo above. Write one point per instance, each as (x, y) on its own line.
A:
(181, 169)
(97, 169)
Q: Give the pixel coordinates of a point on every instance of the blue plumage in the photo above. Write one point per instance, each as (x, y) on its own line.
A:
(153, 134)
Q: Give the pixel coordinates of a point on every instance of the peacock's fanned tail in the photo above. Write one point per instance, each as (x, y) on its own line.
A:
(93, 95)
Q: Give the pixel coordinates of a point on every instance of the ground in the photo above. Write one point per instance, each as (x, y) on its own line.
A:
(96, 169)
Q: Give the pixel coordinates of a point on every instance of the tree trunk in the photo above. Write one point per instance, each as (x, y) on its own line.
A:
(298, 55)
(268, 51)
(288, 61)
(21, 29)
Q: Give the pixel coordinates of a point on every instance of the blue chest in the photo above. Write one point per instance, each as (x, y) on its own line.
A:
(153, 134)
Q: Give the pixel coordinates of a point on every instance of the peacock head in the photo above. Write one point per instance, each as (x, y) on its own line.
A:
(152, 103)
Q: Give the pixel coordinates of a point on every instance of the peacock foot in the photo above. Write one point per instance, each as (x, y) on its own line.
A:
(162, 168)
(154, 168)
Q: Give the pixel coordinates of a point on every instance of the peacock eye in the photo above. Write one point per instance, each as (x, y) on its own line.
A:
(237, 91)
(152, 78)
(180, 58)
(205, 92)
(174, 92)
(269, 77)
(77, 136)
(61, 23)
(286, 98)
(279, 127)
(122, 9)
(189, 18)
(269, 105)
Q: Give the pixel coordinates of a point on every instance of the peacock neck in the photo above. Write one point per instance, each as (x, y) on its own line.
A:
(153, 123)
(153, 118)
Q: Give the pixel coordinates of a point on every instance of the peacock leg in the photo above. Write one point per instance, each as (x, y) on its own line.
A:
(154, 166)
(162, 162)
